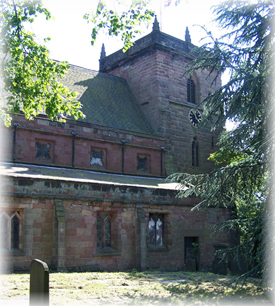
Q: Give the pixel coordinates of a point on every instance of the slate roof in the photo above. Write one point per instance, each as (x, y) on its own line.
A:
(82, 176)
(107, 100)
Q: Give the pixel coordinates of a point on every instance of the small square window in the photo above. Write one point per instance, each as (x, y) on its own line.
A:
(98, 158)
(143, 163)
(44, 150)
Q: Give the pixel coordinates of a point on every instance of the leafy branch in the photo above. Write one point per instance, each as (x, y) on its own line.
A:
(31, 79)
(127, 25)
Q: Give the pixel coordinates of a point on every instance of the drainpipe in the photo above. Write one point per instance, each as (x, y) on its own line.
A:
(16, 125)
(122, 152)
(74, 135)
(161, 160)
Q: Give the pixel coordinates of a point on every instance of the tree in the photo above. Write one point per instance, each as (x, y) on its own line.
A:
(127, 24)
(31, 80)
(242, 183)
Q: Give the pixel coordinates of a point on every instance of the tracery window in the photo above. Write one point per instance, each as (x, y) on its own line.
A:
(104, 230)
(191, 90)
(156, 228)
(43, 151)
(195, 152)
(10, 231)
(142, 163)
(97, 158)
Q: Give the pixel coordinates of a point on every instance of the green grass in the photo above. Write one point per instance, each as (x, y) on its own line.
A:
(138, 288)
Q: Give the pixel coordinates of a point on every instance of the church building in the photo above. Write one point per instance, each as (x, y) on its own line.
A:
(92, 194)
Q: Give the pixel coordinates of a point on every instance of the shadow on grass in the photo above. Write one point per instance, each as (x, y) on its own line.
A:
(215, 293)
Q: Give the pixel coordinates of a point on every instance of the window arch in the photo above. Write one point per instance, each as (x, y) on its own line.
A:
(195, 152)
(104, 230)
(10, 229)
(156, 229)
(191, 90)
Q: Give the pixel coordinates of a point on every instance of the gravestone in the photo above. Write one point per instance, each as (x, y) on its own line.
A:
(219, 265)
(237, 267)
(39, 283)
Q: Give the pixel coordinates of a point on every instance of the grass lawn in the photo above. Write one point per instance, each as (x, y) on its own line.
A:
(138, 288)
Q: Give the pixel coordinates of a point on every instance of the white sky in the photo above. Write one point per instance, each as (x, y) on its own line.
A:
(71, 34)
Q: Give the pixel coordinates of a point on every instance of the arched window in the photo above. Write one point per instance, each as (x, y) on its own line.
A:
(10, 229)
(191, 90)
(104, 230)
(195, 152)
(156, 228)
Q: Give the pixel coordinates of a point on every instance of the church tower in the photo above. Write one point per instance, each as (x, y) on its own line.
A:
(155, 70)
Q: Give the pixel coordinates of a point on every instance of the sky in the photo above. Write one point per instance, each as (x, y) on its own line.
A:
(71, 35)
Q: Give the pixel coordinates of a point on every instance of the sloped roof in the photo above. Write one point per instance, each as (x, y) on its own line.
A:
(82, 176)
(107, 100)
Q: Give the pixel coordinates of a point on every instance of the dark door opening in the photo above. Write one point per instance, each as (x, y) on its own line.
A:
(191, 251)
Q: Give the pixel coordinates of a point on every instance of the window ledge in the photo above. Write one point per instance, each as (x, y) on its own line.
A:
(106, 252)
(159, 248)
(15, 252)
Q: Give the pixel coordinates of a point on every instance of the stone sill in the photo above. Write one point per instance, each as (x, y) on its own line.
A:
(107, 252)
(160, 248)
(12, 252)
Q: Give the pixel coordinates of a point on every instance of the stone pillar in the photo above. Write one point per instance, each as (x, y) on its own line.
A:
(60, 236)
(141, 248)
(30, 216)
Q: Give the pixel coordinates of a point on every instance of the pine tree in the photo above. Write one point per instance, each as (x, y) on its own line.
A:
(243, 182)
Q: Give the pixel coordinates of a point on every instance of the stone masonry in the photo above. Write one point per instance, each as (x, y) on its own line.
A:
(92, 195)
(72, 244)
(155, 70)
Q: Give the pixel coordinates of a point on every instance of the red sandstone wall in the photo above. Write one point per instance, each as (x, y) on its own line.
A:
(39, 242)
(37, 233)
(159, 83)
(60, 140)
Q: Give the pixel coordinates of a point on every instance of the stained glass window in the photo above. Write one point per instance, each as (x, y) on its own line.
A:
(195, 152)
(155, 228)
(191, 91)
(15, 230)
(43, 151)
(99, 232)
(10, 229)
(142, 163)
(103, 230)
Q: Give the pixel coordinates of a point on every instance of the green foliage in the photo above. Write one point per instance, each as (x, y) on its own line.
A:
(195, 249)
(30, 79)
(127, 24)
(242, 183)
(228, 154)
